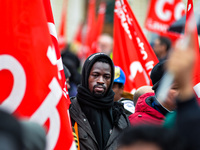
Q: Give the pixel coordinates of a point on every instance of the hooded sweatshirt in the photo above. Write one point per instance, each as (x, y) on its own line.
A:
(98, 110)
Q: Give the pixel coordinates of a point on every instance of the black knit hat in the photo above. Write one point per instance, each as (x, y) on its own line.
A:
(157, 73)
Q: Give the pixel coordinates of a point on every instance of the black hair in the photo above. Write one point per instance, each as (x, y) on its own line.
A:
(164, 138)
(165, 41)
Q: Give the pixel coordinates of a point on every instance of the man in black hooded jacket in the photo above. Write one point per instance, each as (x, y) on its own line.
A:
(98, 118)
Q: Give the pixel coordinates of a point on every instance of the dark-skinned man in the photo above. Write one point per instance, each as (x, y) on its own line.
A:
(99, 120)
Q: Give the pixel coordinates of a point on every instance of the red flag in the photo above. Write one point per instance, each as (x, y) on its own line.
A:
(161, 14)
(132, 51)
(79, 34)
(53, 33)
(94, 29)
(190, 21)
(62, 32)
(97, 29)
(100, 19)
(30, 85)
(90, 24)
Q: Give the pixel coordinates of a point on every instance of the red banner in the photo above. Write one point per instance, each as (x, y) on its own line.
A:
(162, 13)
(97, 29)
(53, 33)
(132, 51)
(62, 30)
(88, 36)
(30, 84)
(191, 23)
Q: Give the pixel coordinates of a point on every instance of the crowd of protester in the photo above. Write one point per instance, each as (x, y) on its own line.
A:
(105, 117)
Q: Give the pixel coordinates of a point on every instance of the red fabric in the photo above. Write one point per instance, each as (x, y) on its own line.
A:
(79, 34)
(98, 28)
(161, 14)
(91, 22)
(145, 114)
(62, 30)
(53, 33)
(95, 29)
(28, 64)
(190, 19)
(132, 51)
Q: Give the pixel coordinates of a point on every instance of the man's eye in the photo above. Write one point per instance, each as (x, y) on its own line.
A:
(107, 77)
(95, 75)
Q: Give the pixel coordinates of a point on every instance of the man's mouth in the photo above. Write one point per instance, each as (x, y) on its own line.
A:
(99, 89)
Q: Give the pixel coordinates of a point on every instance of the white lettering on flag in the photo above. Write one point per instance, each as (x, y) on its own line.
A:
(12, 102)
(197, 89)
(159, 9)
(48, 110)
(51, 54)
(52, 29)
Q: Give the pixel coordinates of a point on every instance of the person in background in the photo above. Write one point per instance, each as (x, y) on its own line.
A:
(72, 62)
(185, 135)
(161, 47)
(118, 89)
(149, 138)
(34, 135)
(140, 91)
(98, 120)
(149, 109)
(187, 120)
(105, 44)
(11, 132)
(67, 76)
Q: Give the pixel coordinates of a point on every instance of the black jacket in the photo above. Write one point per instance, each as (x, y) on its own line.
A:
(86, 137)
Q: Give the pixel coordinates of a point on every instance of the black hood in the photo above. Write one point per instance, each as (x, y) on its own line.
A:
(89, 62)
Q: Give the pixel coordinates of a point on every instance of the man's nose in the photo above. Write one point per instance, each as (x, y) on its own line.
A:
(100, 80)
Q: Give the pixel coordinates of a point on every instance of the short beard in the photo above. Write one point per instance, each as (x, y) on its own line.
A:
(99, 95)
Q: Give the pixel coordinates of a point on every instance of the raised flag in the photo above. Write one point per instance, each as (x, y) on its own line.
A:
(161, 14)
(30, 84)
(190, 19)
(53, 33)
(91, 20)
(97, 29)
(87, 35)
(62, 27)
(132, 51)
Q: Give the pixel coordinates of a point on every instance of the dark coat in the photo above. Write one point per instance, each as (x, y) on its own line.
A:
(87, 139)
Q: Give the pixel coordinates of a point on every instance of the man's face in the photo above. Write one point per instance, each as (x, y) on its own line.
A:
(159, 48)
(170, 102)
(104, 45)
(99, 78)
(118, 91)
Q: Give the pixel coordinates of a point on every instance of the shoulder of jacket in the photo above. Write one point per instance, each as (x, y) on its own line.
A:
(119, 116)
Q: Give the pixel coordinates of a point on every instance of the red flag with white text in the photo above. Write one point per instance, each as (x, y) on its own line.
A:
(53, 33)
(132, 51)
(30, 84)
(190, 21)
(161, 14)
